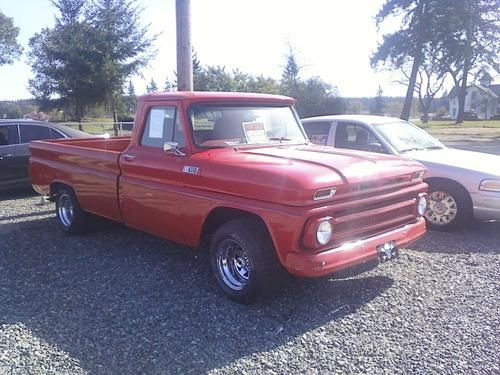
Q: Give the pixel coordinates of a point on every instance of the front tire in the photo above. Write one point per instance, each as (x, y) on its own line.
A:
(244, 261)
(70, 216)
(450, 206)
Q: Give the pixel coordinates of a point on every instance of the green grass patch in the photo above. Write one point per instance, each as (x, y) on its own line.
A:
(465, 124)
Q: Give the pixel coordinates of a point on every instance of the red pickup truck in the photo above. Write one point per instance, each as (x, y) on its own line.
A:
(238, 171)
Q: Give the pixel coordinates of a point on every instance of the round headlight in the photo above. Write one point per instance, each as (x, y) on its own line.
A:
(324, 232)
(422, 206)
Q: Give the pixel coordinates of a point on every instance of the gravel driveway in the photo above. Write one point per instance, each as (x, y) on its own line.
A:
(117, 301)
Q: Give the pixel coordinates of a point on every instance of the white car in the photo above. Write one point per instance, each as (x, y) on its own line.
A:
(462, 184)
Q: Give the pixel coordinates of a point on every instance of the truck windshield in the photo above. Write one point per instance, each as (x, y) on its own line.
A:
(229, 125)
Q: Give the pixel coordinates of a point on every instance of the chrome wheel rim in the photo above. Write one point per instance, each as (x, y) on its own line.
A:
(442, 208)
(233, 264)
(65, 210)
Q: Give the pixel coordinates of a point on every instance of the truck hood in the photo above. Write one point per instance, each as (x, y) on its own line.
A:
(291, 174)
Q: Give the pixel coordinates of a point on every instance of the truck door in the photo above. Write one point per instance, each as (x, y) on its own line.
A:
(151, 182)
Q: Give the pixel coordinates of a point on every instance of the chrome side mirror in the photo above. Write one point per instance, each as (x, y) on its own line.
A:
(172, 147)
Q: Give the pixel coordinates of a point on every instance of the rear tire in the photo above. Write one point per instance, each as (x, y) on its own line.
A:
(450, 206)
(70, 216)
(244, 261)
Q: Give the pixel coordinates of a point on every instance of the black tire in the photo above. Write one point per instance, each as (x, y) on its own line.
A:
(245, 243)
(70, 216)
(450, 206)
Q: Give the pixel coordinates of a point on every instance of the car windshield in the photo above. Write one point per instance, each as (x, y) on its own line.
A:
(405, 137)
(229, 125)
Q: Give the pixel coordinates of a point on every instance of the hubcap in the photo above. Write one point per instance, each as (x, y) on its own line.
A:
(65, 210)
(442, 208)
(233, 264)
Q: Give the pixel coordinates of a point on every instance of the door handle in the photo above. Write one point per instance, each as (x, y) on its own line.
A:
(129, 157)
(5, 156)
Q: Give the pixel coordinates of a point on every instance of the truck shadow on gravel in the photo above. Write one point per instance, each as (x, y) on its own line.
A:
(120, 301)
(16, 194)
(477, 237)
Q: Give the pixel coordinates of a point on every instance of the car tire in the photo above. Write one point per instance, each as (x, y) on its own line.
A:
(70, 216)
(244, 261)
(450, 206)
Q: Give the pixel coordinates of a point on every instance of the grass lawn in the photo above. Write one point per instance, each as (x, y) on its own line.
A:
(481, 130)
(95, 127)
(466, 124)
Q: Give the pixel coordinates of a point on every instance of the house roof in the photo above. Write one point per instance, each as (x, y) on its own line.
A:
(492, 90)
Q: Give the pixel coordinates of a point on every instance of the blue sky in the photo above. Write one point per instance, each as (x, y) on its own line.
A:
(332, 39)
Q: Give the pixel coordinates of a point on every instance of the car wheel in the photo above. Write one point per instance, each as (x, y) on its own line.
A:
(449, 207)
(244, 260)
(72, 219)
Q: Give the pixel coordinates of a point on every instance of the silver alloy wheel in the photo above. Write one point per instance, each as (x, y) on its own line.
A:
(442, 208)
(65, 209)
(233, 264)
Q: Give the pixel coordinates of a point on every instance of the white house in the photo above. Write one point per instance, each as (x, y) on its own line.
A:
(482, 98)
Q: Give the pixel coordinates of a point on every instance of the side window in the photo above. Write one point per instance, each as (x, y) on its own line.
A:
(54, 134)
(33, 133)
(346, 135)
(317, 132)
(8, 135)
(163, 125)
(353, 136)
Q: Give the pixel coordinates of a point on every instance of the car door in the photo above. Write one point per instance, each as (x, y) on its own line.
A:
(11, 169)
(151, 182)
(28, 133)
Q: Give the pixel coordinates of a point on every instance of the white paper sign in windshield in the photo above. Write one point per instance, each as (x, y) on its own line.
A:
(255, 132)
(156, 118)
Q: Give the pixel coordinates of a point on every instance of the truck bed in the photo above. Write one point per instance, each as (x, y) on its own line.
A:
(89, 165)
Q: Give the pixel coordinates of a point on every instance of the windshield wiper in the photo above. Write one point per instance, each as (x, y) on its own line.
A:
(280, 139)
(412, 149)
(433, 148)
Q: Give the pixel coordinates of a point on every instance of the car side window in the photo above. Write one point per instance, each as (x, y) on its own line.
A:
(33, 133)
(163, 125)
(318, 132)
(54, 134)
(353, 136)
(8, 135)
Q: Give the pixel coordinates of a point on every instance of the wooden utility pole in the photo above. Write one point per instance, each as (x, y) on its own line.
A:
(184, 48)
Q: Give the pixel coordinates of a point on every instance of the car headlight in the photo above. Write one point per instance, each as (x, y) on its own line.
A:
(324, 232)
(490, 185)
(421, 205)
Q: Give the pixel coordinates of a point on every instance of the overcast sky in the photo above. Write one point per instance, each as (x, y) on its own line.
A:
(332, 39)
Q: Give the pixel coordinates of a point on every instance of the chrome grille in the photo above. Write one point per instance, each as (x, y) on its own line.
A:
(374, 210)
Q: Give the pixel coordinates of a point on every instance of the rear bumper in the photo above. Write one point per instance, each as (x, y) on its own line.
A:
(486, 206)
(352, 253)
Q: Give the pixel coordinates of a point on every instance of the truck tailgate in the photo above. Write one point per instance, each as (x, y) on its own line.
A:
(90, 166)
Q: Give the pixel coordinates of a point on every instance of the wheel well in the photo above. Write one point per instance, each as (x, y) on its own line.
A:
(221, 215)
(55, 186)
(441, 180)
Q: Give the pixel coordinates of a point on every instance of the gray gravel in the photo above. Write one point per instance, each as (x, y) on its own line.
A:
(117, 301)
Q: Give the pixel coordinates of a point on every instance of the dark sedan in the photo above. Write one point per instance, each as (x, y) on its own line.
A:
(15, 136)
